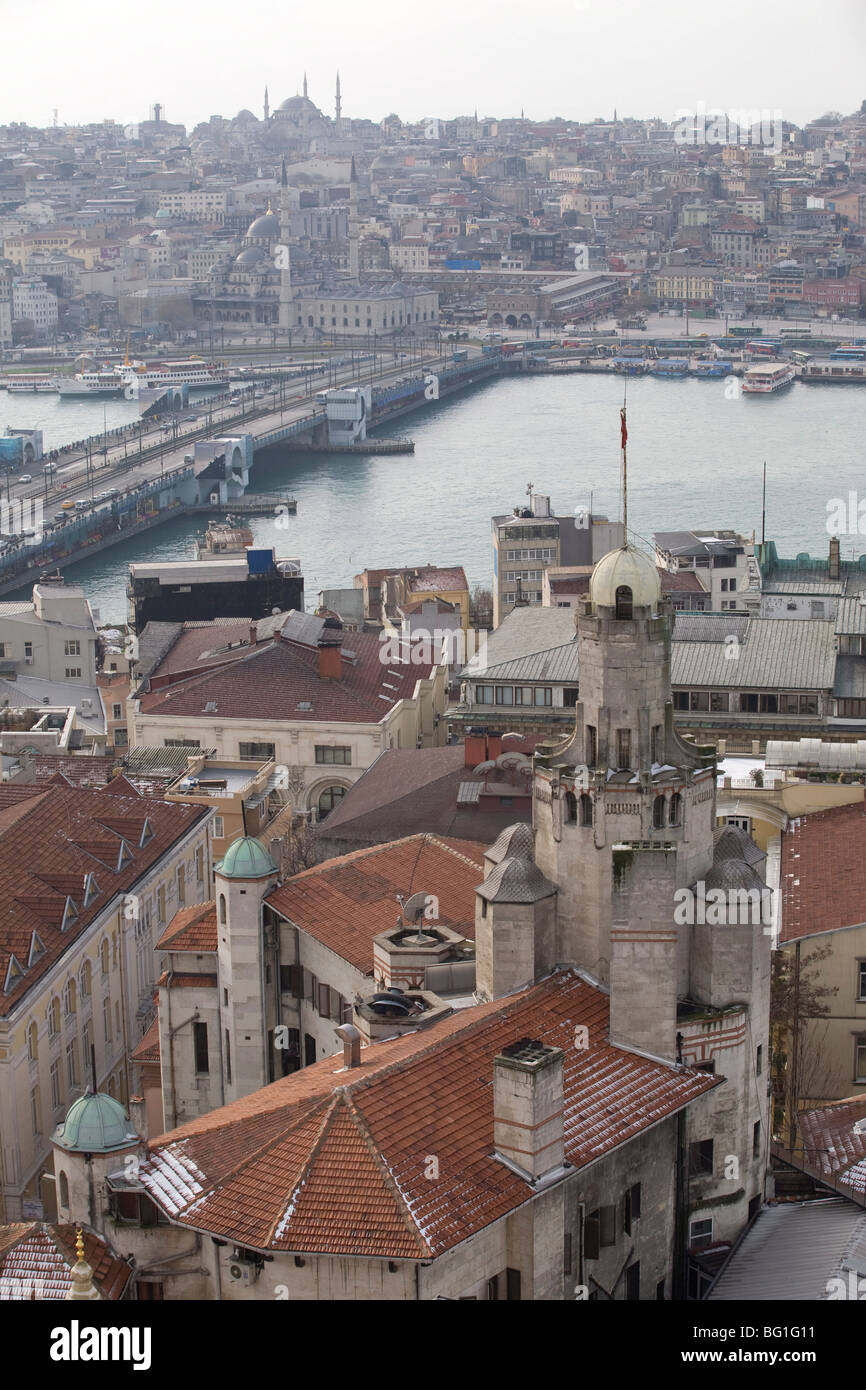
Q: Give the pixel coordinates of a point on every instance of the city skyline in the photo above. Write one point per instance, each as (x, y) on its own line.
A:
(377, 54)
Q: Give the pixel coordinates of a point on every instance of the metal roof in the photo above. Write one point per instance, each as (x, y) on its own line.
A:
(850, 682)
(692, 626)
(793, 1251)
(771, 654)
(558, 664)
(851, 615)
(817, 753)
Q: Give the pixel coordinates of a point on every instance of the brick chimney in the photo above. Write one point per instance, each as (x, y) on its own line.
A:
(474, 748)
(330, 659)
(253, 633)
(834, 558)
(528, 1105)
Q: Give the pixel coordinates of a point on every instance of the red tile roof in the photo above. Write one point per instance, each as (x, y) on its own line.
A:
(191, 929)
(147, 1050)
(273, 680)
(50, 843)
(345, 902)
(335, 1161)
(832, 1147)
(823, 871)
(36, 1262)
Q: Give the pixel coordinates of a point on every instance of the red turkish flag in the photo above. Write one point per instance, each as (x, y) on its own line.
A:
(624, 430)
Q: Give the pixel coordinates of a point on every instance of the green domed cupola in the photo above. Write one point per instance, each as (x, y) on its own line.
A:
(95, 1123)
(246, 857)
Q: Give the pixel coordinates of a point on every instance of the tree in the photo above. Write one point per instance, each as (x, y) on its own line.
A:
(23, 331)
(797, 999)
(481, 608)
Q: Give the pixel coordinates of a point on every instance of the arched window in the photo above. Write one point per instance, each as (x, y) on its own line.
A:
(86, 979)
(675, 809)
(331, 797)
(64, 1189)
(33, 1042)
(69, 998)
(586, 809)
(591, 745)
(659, 813)
(570, 808)
(222, 907)
(623, 601)
(103, 957)
(54, 1017)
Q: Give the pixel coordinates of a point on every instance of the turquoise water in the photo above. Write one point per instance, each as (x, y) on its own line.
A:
(695, 461)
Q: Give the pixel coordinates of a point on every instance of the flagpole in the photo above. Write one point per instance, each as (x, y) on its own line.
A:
(623, 442)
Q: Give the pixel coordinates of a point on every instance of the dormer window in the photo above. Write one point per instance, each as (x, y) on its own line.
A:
(124, 856)
(37, 948)
(623, 600)
(14, 973)
(146, 833)
(70, 912)
(91, 889)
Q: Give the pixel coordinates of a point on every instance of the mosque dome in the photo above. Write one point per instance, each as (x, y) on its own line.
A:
(95, 1123)
(625, 568)
(297, 106)
(246, 857)
(163, 215)
(266, 227)
(250, 256)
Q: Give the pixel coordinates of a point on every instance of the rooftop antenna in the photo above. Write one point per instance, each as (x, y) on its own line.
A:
(764, 504)
(93, 1067)
(529, 488)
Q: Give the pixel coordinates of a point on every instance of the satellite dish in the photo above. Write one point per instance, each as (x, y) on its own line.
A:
(488, 766)
(415, 907)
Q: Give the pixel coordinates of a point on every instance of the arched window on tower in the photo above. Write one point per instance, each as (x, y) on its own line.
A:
(586, 809)
(570, 808)
(675, 809)
(222, 908)
(659, 813)
(623, 601)
(64, 1189)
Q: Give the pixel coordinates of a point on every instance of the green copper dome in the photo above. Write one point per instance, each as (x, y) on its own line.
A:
(246, 858)
(95, 1124)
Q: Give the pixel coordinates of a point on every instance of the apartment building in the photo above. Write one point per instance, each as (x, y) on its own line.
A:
(530, 539)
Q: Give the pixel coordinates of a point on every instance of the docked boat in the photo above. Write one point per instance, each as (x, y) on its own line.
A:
(28, 383)
(154, 375)
(631, 366)
(764, 377)
(833, 370)
(670, 366)
(713, 370)
(97, 383)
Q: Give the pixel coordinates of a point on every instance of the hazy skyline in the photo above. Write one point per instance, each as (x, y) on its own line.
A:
(579, 59)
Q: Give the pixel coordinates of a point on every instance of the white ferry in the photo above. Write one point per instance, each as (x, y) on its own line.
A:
(97, 383)
(30, 383)
(768, 376)
(155, 374)
(833, 370)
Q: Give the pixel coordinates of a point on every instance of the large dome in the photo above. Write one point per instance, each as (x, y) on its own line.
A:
(251, 256)
(95, 1123)
(625, 568)
(246, 858)
(266, 227)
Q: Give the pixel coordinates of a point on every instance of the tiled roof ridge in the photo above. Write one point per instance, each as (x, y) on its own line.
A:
(357, 1116)
(370, 850)
(328, 1104)
(190, 682)
(443, 844)
(164, 1141)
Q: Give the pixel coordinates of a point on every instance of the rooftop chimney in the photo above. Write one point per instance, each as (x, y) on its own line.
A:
(351, 1040)
(528, 1104)
(834, 557)
(330, 659)
(254, 632)
(474, 748)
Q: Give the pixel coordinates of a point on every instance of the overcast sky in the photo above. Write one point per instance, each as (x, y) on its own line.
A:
(572, 58)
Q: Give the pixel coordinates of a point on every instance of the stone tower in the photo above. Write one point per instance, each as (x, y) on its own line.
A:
(242, 880)
(285, 316)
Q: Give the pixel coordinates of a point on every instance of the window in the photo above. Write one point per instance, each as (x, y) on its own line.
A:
(218, 827)
(69, 998)
(56, 1091)
(28, 652)
(330, 797)
(73, 673)
(701, 1158)
(591, 746)
(719, 702)
(860, 1060)
(72, 648)
(861, 980)
(72, 1062)
(700, 1233)
(656, 743)
(681, 699)
(631, 1208)
(623, 601)
(199, 1031)
(117, 711)
(199, 864)
(586, 810)
(121, 738)
(570, 808)
(484, 694)
(106, 1019)
(759, 1059)
(504, 695)
(103, 957)
(181, 884)
(623, 748)
(675, 809)
(160, 903)
(659, 813)
(86, 979)
(181, 743)
(756, 1139)
(228, 1058)
(632, 1281)
(255, 751)
(309, 1050)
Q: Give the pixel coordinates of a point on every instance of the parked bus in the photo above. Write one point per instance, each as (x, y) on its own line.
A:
(848, 354)
(800, 358)
(767, 347)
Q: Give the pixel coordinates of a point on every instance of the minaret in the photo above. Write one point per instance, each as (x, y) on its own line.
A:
(305, 84)
(267, 106)
(338, 107)
(285, 317)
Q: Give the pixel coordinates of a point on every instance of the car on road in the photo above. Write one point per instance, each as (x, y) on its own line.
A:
(82, 504)
(68, 505)
(25, 478)
(60, 516)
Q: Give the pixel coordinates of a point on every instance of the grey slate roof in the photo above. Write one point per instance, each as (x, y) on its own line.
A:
(850, 682)
(558, 664)
(792, 1252)
(773, 654)
(523, 633)
(851, 616)
(516, 881)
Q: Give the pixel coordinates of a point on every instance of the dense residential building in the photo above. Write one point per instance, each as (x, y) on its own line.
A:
(532, 539)
(93, 877)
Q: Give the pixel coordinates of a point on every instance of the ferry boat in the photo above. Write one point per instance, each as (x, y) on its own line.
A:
(28, 383)
(156, 374)
(670, 366)
(768, 376)
(95, 383)
(631, 366)
(833, 370)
